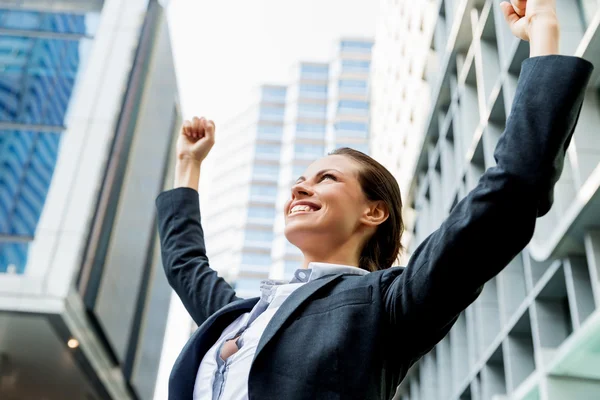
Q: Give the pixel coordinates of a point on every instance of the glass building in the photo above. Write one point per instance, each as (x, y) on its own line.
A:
(83, 299)
(534, 332)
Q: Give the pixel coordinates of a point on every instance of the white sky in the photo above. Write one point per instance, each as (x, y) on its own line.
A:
(224, 49)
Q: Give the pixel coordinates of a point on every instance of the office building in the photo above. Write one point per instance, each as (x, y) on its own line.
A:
(534, 332)
(87, 101)
(265, 149)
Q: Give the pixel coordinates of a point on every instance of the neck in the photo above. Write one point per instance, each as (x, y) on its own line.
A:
(343, 255)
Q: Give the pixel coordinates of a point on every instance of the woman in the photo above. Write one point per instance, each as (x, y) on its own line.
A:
(348, 326)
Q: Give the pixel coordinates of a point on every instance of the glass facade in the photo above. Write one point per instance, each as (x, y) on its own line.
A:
(41, 55)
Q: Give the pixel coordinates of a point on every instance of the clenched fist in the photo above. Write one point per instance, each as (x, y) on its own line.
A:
(521, 15)
(196, 139)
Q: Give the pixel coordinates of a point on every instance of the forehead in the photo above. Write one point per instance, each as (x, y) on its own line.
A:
(343, 164)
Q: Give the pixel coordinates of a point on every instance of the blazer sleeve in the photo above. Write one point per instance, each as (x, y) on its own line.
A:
(184, 258)
(496, 220)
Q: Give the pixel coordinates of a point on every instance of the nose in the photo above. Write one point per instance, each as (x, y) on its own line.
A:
(301, 189)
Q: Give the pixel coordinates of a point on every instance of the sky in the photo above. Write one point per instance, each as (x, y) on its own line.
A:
(224, 49)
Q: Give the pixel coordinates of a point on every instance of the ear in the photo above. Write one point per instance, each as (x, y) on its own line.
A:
(375, 214)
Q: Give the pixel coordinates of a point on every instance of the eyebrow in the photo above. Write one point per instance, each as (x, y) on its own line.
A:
(320, 173)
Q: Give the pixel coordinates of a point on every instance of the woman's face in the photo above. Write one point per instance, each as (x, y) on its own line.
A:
(326, 204)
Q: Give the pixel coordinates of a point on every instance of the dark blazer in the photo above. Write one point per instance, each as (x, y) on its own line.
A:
(354, 337)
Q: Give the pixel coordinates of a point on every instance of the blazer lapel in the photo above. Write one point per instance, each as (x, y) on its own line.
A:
(290, 304)
(183, 375)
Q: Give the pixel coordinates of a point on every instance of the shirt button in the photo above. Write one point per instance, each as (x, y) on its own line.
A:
(302, 275)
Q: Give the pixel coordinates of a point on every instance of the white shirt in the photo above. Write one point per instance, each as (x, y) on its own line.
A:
(232, 381)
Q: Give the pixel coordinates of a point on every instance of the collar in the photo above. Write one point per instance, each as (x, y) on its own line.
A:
(316, 270)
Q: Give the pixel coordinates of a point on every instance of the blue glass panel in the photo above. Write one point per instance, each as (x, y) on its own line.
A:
(257, 235)
(261, 171)
(261, 212)
(269, 150)
(36, 71)
(49, 22)
(353, 86)
(355, 66)
(13, 255)
(27, 161)
(312, 110)
(357, 47)
(272, 113)
(352, 129)
(308, 151)
(263, 192)
(36, 85)
(313, 91)
(273, 94)
(311, 71)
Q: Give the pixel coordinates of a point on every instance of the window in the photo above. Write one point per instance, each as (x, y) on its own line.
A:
(356, 47)
(274, 94)
(312, 71)
(257, 235)
(352, 129)
(312, 110)
(259, 259)
(308, 151)
(354, 107)
(268, 150)
(357, 66)
(265, 171)
(316, 131)
(261, 212)
(261, 192)
(269, 131)
(272, 113)
(313, 91)
(353, 86)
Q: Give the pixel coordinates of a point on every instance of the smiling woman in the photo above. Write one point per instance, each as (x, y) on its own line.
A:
(348, 325)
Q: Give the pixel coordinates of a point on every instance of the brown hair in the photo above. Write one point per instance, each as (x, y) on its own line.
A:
(378, 184)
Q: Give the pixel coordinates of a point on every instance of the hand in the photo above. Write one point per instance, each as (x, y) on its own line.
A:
(196, 139)
(522, 15)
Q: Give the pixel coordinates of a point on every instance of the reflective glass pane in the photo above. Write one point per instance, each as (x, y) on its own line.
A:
(49, 22)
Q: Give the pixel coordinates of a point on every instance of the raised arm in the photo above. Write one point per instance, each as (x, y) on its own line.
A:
(184, 258)
(496, 220)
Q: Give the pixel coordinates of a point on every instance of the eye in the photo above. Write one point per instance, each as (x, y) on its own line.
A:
(328, 176)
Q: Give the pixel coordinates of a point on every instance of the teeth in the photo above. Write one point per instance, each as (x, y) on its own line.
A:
(300, 208)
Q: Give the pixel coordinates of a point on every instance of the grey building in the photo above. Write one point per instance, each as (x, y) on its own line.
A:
(534, 333)
(87, 101)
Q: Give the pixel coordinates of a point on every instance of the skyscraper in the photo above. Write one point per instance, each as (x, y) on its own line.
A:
(534, 331)
(264, 150)
(83, 154)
